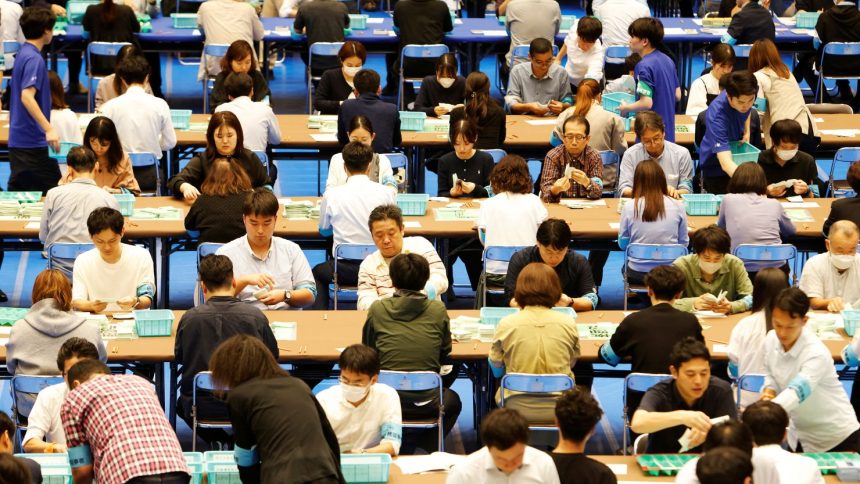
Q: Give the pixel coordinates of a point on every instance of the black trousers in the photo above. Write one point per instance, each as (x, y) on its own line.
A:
(347, 275)
(597, 260)
(427, 438)
(169, 478)
(208, 408)
(32, 170)
(850, 444)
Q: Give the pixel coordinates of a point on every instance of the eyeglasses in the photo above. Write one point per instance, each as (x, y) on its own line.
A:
(654, 141)
(575, 137)
(545, 63)
(352, 384)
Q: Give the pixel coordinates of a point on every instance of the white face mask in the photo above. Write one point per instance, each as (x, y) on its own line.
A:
(446, 82)
(709, 267)
(786, 154)
(351, 71)
(353, 393)
(841, 261)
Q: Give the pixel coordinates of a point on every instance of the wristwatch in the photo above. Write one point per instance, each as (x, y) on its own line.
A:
(288, 296)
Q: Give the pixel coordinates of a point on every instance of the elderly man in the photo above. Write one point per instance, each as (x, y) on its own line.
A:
(674, 159)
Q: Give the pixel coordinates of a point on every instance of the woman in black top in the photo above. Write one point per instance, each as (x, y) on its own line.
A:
(281, 432)
(109, 22)
(224, 139)
(217, 212)
(239, 58)
(484, 111)
(446, 87)
(335, 85)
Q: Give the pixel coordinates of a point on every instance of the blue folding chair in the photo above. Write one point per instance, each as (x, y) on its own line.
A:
(836, 49)
(843, 155)
(105, 49)
(62, 255)
(611, 166)
(497, 254)
(615, 55)
(521, 53)
(264, 159)
(535, 384)
(497, 154)
(210, 50)
(24, 389)
(399, 161)
(319, 49)
(768, 256)
(146, 161)
(416, 51)
(658, 253)
(10, 47)
(636, 382)
(204, 249)
(413, 381)
(356, 252)
(751, 382)
(203, 381)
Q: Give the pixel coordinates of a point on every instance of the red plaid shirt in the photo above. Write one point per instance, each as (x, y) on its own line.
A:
(553, 168)
(120, 418)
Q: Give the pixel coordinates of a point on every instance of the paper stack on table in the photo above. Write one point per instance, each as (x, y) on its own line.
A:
(437, 461)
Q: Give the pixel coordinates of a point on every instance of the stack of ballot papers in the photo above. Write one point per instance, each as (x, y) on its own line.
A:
(301, 209)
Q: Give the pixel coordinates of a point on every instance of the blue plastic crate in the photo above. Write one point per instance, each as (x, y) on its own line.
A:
(806, 20)
(65, 147)
(412, 120)
(413, 203)
(566, 22)
(21, 197)
(495, 315)
(56, 474)
(612, 101)
(222, 472)
(181, 118)
(357, 21)
(218, 456)
(196, 469)
(744, 153)
(566, 310)
(184, 20)
(365, 468)
(851, 318)
(194, 457)
(154, 322)
(126, 203)
(700, 203)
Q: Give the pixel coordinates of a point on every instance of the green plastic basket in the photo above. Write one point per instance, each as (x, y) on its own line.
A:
(222, 472)
(806, 20)
(75, 10)
(412, 120)
(701, 203)
(184, 20)
(8, 316)
(495, 315)
(153, 322)
(612, 101)
(851, 318)
(567, 22)
(365, 468)
(663, 464)
(21, 197)
(827, 461)
(65, 147)
(126, 203)
(414, 204)
(357, 21)
(181, 118)
(744, 153)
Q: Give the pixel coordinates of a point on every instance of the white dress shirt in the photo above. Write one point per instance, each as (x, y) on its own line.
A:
(746, 350)
(375, 421)
(10, 27)
(510, 220)
(821, 279)
(260, 127)
(65, 123)
(44, 421)
(224, 22)
(479, 468)
(583, 64)
(337, 171)
(765, 470)
(374, 281)
(809, 390)
(791, 468)
(345, 209)
(697, 101)
(142, 121)
(616, 16)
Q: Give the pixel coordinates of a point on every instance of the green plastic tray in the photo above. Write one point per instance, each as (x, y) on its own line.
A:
(8, 316)
(663, 464)
(826, 461)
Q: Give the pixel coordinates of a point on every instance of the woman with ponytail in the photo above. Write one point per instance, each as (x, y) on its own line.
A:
(607, 129)
(109, 22)
(483, 111)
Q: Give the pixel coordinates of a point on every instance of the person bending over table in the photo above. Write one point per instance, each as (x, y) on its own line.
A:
(585, 177)
(336, 85)
(482, 110)
(361, 130)
(374, 280)
(846, 208)
(444, 87)
(689, 400)
(321, 21)
(800, 377)
(384, 116)
(727, 120)
(113, 275)
(839, 23)
(674, 159)
(584, 51)
(224, 138)
(539, 87)
(114, 172)
(577, 414)
(239, 59)
(216, 215)
(784, 162)
(108, 22)
(260, 125)
(415, 22)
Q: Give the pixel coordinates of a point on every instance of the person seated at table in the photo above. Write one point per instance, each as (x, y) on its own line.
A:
(539, 87)
(506, 455)
(689, 400)
(412, 333)
(239, 59)
(201, 329)
(113, 172)
(706, 88)
(374, 281)
(725, 465)
(832, 279)
(364, 413)
(745, 352)
(572, 269)
(535, 340)
(577, 414)
(108, 21)
(627, 82)
(44, 429)
(111, 85)
(711, 270)
(259, 123)
(216, 215)
(607, 129)
(344, 211)
(415, 22)
(268, 272)
(584, 51)
(281, 8)
(585, 178)
(782, 93)
(674, 159)
(785, 161)
(728, 120)
(336, 85)
(483, 111)
(142, 120)
(361, 130)
(225, 23)
(68, 206)
(657, 83)
(224, 138)
(800, 377)
(321, 21)
(35, 339)
(113, 275)
(839, 23)
(651, 217)
(444, 87)
(846, 208)
(16, 469)
(751, 23)
(62, 119)
(510, 218)
(746, 200)
(384, 116)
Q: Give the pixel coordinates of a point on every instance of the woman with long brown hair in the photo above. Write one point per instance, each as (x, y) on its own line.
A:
(217, 213)
(651, 217)
(484, 111)
(607, 129)
(784, 97)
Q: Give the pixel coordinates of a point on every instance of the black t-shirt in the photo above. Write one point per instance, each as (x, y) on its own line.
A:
(580, 469)
(492, 128)
(422, 21)
(801, 167)
(324, 21)
(753, 22)
(432, 94)
(573, 272)
(717, 401)
(475, 170)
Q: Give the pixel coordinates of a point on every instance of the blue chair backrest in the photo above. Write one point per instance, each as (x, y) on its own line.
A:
(263, 156)
(142, 160)
(428, 51)
(11, 46)
(655, 252)
(110, 49)
(397, 160)
(216, 50)
(522, 51)
(33, 383)
(742, 50)
(765, 253)
(617, 52)
(354, 251)
(532, 383)
(496, 153)
(69, 251)
(849, 155)
(207, 248)
(842, 48)
(609, 157)
(641, 382)
(202, 381)
(502, 254)
(325, 48)
(411, 380)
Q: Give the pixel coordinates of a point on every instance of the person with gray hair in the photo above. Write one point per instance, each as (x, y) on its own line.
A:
(653, 145)
(832, 279)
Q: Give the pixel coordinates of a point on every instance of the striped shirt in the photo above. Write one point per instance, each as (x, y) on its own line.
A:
(374, 282)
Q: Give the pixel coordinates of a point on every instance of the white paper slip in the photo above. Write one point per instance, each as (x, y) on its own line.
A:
(375, 20)
(458, 22)
(720, 348)
(284, 331)
(802, 31)
(674, 31)
(4, 341)
(32, 225)
(819, 120)
(800, 205)
(568, 170)
(123, 315)
(196, 32)
(618, 469)
(795, 199)
(325, 137)
(284, 201)
(439, 199)
(697, 21)
(411, 224)
(437, 461)
(495, 33)
(708, 315)
(716, 31)
(541, 122)
(842, 133)
(614, 225)
(788, 20)
(7, 330)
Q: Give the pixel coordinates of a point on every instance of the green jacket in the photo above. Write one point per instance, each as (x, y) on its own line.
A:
(732, 278)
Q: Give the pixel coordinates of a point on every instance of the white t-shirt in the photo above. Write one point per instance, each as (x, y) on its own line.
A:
(821, 279)
(616, 16)
(478, 468)
(697, 101)
(93, 278)
(746, 349)
(65, 123)
(583, 64)
(376, 420)
(44, 421)
(337, 173)
(510, 220)
(789, 466)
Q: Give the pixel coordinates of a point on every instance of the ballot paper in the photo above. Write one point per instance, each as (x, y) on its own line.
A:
(454, 178)
(412, 224)
(541, 122)
(568, 170)
(284, 331)
(437, 461)
(720, 298)
(374, 20)
(324, 137)
(685, 439)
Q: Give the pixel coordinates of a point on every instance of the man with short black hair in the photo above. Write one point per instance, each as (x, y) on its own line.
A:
(385, 117)
(364, 413)
(725, 465)
(577, 414)
(784, 162)
(584, 50)
(674, 159)
(689, 400)
(753, 22)
(539, 87)
(768, 423)
(7, 445)
(506, 455)
(260, 126)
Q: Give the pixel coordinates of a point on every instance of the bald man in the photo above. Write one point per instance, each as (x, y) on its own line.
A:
(832, 279)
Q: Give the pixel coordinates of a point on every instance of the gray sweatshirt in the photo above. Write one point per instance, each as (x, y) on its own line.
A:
(35, 340)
